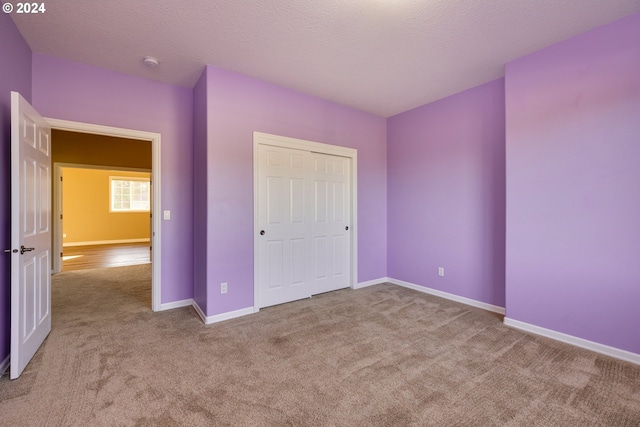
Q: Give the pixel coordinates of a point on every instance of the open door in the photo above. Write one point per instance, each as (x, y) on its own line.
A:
(30, 232)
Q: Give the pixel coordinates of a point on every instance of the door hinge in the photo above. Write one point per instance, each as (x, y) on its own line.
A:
(60, 179)
(60, 216)
(60, 254)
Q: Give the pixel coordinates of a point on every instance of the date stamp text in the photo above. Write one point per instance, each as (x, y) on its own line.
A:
(24, 8)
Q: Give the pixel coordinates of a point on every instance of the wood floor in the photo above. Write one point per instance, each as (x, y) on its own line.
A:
(99, 256)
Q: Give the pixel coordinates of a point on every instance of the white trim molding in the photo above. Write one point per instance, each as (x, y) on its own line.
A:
(208, 320)
(199, 311)
(371, 283)
(4, 365)
(578, 342)
(446, 295)
(106, 242)
(176, 304)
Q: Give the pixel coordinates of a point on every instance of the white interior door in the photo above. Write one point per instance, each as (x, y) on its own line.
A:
(303, 220)
(330, 222)
(30, 232)
(283, 212)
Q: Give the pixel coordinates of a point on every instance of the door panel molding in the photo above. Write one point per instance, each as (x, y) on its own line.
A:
(264, 139)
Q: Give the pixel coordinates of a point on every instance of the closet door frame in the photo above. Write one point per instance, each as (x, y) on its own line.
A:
(260, 138)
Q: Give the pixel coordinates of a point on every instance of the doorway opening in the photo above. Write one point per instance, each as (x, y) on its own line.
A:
(105, 214)
(116, 151)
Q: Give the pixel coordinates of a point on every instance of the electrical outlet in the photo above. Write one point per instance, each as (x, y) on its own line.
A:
(441, 271)
(223, 287)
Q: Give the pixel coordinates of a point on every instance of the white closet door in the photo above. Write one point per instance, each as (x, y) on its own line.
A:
(303, 220)
(283, 211)
(330, 222)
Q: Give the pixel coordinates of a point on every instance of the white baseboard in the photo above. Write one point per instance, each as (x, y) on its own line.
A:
(198, 310)
(4, 365)
(106, 242)
(176, 304)
(446, 295)
(208, 320)
(370, 283)
(578, 342)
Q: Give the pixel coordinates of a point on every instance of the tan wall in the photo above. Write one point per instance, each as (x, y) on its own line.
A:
(85, 208)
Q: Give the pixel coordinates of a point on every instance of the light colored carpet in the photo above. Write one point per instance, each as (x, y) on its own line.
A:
(383, 355)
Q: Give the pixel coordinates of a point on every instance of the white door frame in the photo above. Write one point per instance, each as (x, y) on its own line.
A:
(156, 222)
(56, 245)
(260, 138)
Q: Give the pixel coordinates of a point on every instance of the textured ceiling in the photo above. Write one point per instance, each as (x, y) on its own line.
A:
(380, 56)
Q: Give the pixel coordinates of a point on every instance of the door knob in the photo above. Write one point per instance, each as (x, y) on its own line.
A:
(262, 232)
(347, 228)
(23, 249)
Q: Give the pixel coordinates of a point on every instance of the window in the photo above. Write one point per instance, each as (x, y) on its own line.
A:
(130, 194)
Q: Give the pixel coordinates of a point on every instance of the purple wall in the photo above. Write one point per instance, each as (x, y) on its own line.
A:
(573, 186)
(15, 69)
(446, 194)
(572, 193)
(239, 105)
(200, 192)
(73, 91)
